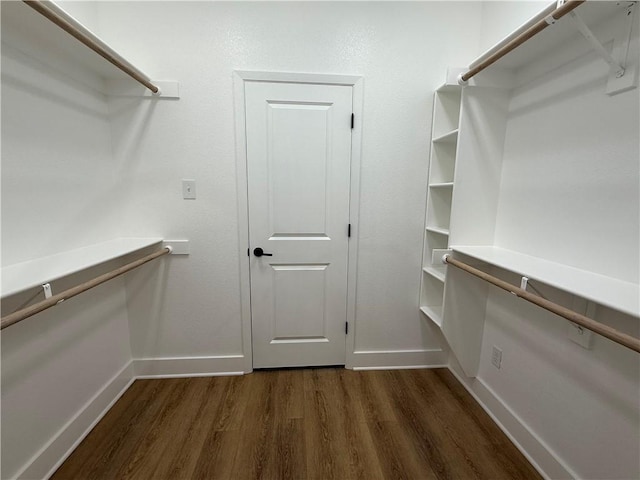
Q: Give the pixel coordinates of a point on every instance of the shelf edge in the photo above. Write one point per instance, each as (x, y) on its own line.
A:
(433, 315)
(54, 267)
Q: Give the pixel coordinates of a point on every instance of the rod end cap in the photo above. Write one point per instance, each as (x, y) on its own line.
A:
(462, 81)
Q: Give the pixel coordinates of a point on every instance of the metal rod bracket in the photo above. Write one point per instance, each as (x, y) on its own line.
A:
(595, 43)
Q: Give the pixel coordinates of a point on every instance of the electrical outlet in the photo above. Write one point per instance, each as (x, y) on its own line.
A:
(496, 357)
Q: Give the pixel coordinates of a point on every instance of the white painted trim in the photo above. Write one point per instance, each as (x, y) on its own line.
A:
(539, 454)
(242, 190)
(354, 219)
(47, 460)
(189, 366)
(357, 83)
(398, 359)
(294, 77)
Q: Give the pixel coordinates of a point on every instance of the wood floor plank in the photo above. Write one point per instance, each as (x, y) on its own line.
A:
(456, 430)
(497, 446)
(298, 424)
(338, 441)
(252, 457)
(180, 444)
(374, 398)
(231, 413)
(217, 455)
(287, 458)
(148, 451)
(290, 388)
(116, 436)
(417, 422)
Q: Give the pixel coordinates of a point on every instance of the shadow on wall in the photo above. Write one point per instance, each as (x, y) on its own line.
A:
(78, 91)
(148, 285)
(48, 333)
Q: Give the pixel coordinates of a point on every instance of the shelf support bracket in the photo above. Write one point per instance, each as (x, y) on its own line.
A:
(586, 32)
(47, 290)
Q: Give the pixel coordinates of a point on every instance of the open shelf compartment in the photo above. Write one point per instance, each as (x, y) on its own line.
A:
(446, 113)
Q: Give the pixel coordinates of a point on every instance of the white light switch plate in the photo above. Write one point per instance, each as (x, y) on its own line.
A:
(189, 189)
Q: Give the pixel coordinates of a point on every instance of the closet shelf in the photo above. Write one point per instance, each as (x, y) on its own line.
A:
(434, 314)
(448, 88)
(441, 231)
(22, 276)
(608, 291)
(437, 272)
(449, 137)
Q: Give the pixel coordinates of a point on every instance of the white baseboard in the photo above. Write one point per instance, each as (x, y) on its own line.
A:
(539, 454)
(175, 367)
(398, 359)
(44, 463)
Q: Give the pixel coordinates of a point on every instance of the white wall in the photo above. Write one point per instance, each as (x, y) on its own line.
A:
(57, 167)
(402, 50)
(57, 194)
(570, 171)
(85, 12)
(500, 18)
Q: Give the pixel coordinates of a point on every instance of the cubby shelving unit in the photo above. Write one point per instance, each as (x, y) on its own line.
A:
(444, 134)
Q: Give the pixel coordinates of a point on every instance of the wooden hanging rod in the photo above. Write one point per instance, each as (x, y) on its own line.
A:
(53, 13)
(612, 334)
(72, 292)
(536, 28)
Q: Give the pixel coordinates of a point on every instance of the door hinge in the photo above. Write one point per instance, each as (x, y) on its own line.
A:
(353, 120)
(346, 328)
(349, 231)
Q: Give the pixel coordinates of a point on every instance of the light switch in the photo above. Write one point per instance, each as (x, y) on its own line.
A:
(188, 189)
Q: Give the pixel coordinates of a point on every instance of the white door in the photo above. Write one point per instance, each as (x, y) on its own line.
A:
(298, 168)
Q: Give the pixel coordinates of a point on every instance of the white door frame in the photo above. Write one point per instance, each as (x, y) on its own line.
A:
(239, 79)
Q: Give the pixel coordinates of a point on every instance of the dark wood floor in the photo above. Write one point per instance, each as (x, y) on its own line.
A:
(297, 424)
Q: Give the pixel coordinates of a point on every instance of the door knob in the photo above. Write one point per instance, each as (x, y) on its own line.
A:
(258, 252)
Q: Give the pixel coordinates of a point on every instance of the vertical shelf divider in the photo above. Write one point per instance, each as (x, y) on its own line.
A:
(442, 159)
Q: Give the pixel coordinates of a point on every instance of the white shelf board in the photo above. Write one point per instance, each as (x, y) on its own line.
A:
(441, 231)
(608, 291)
(437, 272)
(22, 276)
(449, 137)
(441, 185)
(433, 313)
(448, 87)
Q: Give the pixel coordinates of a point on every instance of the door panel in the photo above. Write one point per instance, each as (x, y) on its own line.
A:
(299, 317)
(298, 167)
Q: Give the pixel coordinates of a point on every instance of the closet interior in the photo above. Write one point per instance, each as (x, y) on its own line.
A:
(531, 156)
